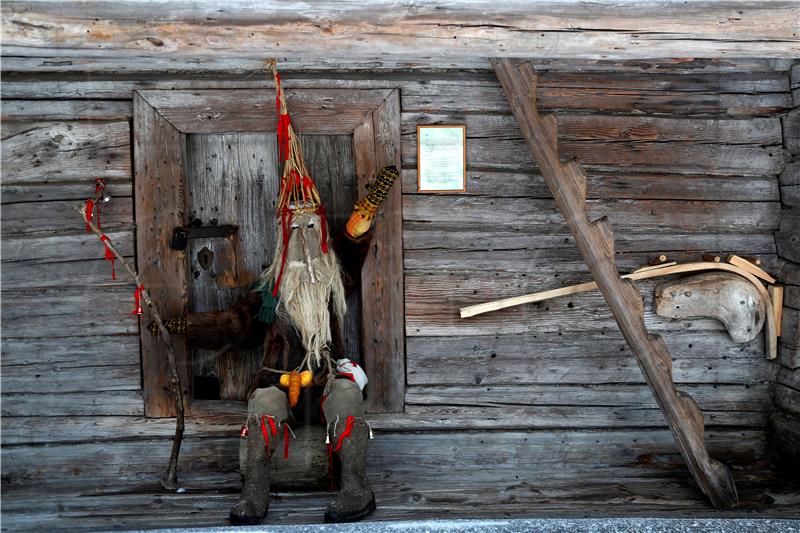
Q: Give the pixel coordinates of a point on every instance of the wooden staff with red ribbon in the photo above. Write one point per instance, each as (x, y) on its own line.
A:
(89, 212)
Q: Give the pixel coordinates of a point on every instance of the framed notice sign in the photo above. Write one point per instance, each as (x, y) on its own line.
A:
(441, 158)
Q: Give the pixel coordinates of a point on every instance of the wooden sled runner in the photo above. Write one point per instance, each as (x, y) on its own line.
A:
(567, 183)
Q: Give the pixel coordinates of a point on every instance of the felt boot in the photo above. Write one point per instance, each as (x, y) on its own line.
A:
(355, 499)
(265, 405)
(252, 505)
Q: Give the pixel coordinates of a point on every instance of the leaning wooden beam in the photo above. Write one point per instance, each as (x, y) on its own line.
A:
(567, 182)
(772, 330)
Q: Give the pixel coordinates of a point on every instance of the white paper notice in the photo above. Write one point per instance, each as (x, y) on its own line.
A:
(441, 158)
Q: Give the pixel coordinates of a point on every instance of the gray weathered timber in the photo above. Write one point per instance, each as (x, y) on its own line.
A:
(658, 28)
(602, 184)
(28, 110)
(65, 151)
(161, 204)
(596, 242)
(79, 404)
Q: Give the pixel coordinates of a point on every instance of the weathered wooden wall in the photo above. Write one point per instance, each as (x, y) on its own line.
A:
(537, 410)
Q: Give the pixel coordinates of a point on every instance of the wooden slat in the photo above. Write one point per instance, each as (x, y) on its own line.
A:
(474, 212)
(75, 190)
(452, 236)
(160, 200)
(65, 151)
(59, 217)
(509, 155)
(66, 110)
(62, 378)
(83, 404)
(68, 274)
(655, 30)
(491, 99)
(610, 128)
(76, 247)
(68, 312)
(76, 351)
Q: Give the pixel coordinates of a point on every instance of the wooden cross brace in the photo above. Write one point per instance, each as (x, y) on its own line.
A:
(567, 183)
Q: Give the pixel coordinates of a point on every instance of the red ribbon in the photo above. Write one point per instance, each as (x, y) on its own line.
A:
(323, 221)
(89, 214)
(265, 433)
(348, 428)
(109, 255)
(285, 440)
(283, 135)
(137, 295)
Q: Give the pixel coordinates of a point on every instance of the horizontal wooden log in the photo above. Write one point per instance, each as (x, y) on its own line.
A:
(787, 238)
(83, 404)
(68, 312)
(76, 190)
(68, 274)
(66, 110)
(755, 73)
(650, 186)
(212, 462)
(62, 378)
(65, 151)
(80, 350)
(446, 236)
(789, 377)
(613, 128)
(487, 153)
(60, 217)
(487, 99)
(580, 362)
(433, 301)
(51, 249)
(791, 131)
(791, 174)
(624, 215)
(660, 29)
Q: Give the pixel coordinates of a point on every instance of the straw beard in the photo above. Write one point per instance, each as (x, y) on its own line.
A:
(305, 304)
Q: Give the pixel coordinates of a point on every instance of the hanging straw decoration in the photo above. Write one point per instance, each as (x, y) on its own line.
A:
(297, 192)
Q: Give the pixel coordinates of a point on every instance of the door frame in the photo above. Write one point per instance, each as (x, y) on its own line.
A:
(162, 120)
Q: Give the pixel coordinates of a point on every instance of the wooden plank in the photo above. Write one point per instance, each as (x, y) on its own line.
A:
(59, 378)
(59, 248)
(65, 151)
(160, 198)
(452, 236)
(791, 131)
(596, 243)
(614, 128)
(487, 99)
(509, 155)
(76, 190)
(744, 264)
(28, 110)
(80, 350)
(83, 404)
(629, 215)
(516, 30)
(59, 217)
(328, 111)
(68, 312)
(378, 139)
(68, 274)
(787, 398)
(776, 297)
(787, 238)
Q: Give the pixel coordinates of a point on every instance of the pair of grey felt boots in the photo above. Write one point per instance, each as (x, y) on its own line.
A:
(355, 499)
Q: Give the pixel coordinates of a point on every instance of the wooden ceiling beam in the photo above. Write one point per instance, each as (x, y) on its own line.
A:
(383, 29)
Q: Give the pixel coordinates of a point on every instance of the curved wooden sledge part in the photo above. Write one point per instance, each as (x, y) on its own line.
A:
(594, 239)
(770, 329)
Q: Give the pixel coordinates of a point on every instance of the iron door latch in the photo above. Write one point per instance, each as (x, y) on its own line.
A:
(182, 234)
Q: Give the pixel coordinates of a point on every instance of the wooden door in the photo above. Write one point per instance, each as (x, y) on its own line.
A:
(233, 180)
(210, 156)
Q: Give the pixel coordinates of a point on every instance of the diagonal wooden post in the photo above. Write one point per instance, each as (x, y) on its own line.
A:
(567, 182)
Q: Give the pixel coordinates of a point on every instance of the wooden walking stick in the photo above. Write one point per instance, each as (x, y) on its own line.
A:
(170, 480)
(567, 183)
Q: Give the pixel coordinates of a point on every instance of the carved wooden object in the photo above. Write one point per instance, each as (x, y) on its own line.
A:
(567, 182)
(729, 298)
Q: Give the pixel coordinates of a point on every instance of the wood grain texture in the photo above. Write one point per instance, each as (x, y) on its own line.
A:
(596, 242)
(66, 110)
(657, 29)
(160, 188)
(383, 341)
